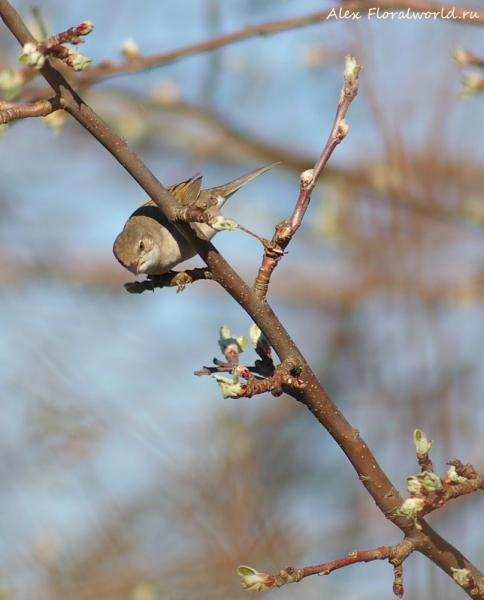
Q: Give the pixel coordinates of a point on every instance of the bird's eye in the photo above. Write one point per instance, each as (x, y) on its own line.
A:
(141, 245)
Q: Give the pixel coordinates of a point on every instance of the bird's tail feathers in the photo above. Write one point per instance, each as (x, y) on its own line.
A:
(228, 189)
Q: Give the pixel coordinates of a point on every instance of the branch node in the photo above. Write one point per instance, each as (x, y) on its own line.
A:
(11, 111)
(35, 54)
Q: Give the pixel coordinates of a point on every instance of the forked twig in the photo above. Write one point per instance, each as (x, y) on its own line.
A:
(11, 111)
(286, 230)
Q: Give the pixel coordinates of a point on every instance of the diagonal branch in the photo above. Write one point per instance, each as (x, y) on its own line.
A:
(460, 14)
(253, 581)
(313, 395)
(361, 8)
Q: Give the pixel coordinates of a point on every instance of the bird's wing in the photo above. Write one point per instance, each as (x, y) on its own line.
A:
(184, 193)
(187, 191)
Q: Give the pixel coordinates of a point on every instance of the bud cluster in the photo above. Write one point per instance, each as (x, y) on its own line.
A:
(472, 82)
(35, 54)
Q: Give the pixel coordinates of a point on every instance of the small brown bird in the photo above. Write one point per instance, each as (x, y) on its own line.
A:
(150, 244)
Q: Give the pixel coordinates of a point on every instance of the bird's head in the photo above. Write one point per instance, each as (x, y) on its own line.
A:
(134, 249)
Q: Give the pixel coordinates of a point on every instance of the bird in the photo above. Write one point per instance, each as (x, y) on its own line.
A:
(149, 244)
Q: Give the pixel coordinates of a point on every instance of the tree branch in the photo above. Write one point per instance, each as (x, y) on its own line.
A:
(461, 15)
(265, 29)
(253, 581)
(313, 395)
(11, 111)
(286, 230)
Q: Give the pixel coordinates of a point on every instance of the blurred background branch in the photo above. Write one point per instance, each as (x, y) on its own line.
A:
(105, 491)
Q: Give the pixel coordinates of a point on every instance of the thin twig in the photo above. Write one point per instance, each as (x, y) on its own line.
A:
(111, 69)
(338, 133)
(10, 111)
(286, 230)
(462, 15)
(396, 555)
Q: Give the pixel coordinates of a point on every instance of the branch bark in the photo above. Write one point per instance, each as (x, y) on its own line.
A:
(11, 111)
(265, 29)
(428, 542)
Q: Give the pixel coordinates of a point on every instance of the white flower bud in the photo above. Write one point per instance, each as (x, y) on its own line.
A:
(464, 57)
(351, 67)
(220, 223)
(452, 477)
(423, 483)
(461, 576)
(343, 128)
(421, 443)
(351, 77)
(259, 341)
(414, 486)
(430, 481)
(411, 508)
(255, 335)
(130, 48)
(85, 27)
(29, 55)
(252, 580)
(225, 332)
(226, 339)
(305, 178)
(77, 61)
(231, 388)
(472, 83)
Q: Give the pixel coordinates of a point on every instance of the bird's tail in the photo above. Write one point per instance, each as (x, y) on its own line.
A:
(225, 191)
